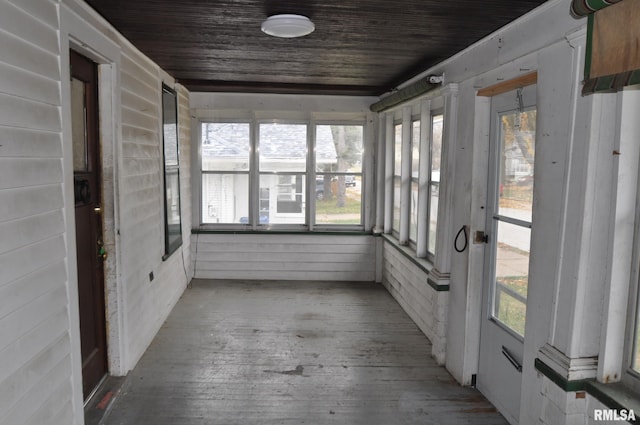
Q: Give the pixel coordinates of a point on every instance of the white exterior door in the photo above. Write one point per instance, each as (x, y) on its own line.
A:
(509, 209)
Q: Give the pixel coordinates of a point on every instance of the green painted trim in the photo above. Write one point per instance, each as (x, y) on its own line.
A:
(279, 232)
(588, 50)
(613, 396)
(417, 261)
(437, 287)
(405, 94)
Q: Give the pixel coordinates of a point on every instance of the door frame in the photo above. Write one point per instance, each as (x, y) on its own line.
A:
(486, 263)
(86, 71)
(80, 34)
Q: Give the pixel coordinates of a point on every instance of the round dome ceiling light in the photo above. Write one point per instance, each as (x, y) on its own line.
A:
(288, 26)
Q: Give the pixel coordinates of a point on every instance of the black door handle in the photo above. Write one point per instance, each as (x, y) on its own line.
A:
(512, 359)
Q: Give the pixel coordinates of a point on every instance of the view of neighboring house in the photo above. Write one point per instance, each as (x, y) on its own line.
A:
(282, 156)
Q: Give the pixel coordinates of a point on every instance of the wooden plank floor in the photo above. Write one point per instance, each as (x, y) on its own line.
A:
(240, 352)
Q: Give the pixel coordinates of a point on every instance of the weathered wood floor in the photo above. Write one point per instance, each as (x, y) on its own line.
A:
(238, 352)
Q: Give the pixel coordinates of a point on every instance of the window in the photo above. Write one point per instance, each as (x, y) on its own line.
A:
(338, 159)
(415, 186)
(512, 215)
(283, 167)
(226, 155)
(434, 181)
(172, 220)
(397, 178)
(272, 179)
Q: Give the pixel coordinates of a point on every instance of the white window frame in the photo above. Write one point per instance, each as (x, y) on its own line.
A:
(406, 116)
(396, 177)
(430, 255)
(202, 172)
(308, 175)
(313, 173)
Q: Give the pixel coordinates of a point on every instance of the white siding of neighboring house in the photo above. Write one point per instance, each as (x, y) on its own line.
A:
(39, 350)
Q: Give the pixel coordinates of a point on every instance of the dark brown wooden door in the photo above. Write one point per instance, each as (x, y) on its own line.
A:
(90, 252)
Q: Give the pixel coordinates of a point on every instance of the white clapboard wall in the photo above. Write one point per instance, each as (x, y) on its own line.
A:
(426, 306)
(35, 385)
(284, 256)
(35, 346)
(148, 302)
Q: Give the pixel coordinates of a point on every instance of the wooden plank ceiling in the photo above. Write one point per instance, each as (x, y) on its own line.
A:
(360, 47)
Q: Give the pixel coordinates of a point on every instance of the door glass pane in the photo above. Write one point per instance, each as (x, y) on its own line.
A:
(512, 275)
(517, 135)
(225, 146)
(283, 147)
(225, 198)
(78, 125)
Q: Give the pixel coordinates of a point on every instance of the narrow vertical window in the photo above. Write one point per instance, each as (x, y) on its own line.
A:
(225, 160)
(338, 163)
(415, 174)
(434, 181)
(172, 219)
(397, 178)
(282, 168)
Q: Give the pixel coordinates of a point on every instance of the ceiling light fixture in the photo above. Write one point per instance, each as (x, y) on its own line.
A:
(288, 26)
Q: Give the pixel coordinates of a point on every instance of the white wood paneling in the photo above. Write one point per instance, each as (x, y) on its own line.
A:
(44, 10)
(427, 307)
(18, 142)
(141, 203)
(284, 257)
(36, 337)
(34, 322)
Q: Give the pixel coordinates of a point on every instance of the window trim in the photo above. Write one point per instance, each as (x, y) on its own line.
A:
(363, 181)
(427, 233)
(416, 119)
(396, 174)
(309, 174)
(171, 245)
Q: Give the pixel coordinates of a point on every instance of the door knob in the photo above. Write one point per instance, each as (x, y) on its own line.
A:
(102, 253)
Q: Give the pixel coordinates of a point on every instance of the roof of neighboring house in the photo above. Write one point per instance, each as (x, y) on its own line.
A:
(277, 142)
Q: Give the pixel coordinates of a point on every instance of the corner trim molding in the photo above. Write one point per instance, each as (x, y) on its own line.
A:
(571, 369)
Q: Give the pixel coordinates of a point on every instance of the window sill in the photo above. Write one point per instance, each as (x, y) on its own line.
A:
(425, 265)
(614, 396)
(204, 231)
